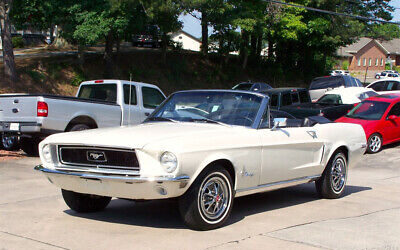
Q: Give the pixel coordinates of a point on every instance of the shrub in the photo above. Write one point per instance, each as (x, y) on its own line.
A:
(345, 65)
(17, 42)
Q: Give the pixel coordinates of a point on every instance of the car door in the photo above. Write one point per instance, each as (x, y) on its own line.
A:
(391, 128)
(132, 113)
(289, 153)
(151, 98)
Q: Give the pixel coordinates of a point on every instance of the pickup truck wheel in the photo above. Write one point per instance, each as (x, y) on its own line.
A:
(208, 202)
(30, 146)
(79, 127)
(10, 142)
(85, 203)
(332, 183)
(374, 144)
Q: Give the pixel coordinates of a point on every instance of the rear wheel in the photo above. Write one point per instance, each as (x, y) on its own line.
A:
(30, 146)
(10, 142)
(374, 143)
(332, 183)
(85, 203)
(79, 127)
(208, 202)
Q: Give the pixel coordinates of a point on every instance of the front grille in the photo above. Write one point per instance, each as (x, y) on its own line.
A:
(98, 157)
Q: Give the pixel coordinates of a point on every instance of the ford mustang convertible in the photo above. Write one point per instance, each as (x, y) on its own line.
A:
(203, 147)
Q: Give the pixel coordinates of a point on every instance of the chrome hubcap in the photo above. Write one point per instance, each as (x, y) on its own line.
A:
(8, 141)
(338, 174)
(375, 143)
(214, 198)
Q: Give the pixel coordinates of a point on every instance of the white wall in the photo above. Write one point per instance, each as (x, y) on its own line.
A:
(188, 43)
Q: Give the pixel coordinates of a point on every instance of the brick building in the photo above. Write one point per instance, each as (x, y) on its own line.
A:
(370, 53)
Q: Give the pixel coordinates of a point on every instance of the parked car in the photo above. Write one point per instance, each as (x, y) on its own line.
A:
(146, 40)
(100, 103)
(280, 97)
(386, 86)
(320, 85)
(383, 73)
(380, 118)
(389, 76)
(332, 105)
(205, 157)
(337, 72)
(252, 86)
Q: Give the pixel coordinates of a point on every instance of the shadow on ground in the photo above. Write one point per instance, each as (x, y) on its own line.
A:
(165, 213)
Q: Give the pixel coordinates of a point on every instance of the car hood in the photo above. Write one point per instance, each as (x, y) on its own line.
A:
(368, 125)
(137, 136)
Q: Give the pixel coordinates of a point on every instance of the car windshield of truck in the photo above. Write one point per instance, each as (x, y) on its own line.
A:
(243, 86)
(330, 99)
(368, 110)
(102, 92)
(304, 96)
(326, 82)
(209, 107)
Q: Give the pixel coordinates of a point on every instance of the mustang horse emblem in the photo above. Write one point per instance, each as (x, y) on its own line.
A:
(96, 156)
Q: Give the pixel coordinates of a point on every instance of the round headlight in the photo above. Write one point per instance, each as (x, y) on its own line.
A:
(168, 161)
(46, 153)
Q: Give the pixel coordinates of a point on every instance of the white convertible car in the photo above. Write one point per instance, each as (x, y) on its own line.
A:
(205, 147)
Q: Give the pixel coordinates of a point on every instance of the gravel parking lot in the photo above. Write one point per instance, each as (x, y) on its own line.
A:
(33, 215)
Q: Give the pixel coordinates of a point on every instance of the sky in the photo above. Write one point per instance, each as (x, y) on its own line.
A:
(192, 25)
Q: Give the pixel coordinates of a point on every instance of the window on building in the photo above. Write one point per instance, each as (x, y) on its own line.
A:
(359, 62)
(381, 61)
(370, 62)
(376, 62)
(365, 62)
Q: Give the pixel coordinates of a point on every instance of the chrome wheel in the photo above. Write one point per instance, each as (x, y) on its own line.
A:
(375, 143)
(9, 142)
(338, 174)
(214, 198)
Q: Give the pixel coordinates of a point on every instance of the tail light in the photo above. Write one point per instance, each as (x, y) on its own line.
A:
(42, 109)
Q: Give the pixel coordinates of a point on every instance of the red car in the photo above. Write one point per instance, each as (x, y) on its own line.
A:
(380, 118)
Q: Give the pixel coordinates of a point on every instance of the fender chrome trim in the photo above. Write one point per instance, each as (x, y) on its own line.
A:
(275, 185)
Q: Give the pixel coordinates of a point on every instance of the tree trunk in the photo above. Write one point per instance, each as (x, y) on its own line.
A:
(270, 47)
(81, 54)
(8, 52)
(259, 45)
(51, 33)
(164, 44)
(204, 32)
(243, 48)
(108, 57)
(253, 44)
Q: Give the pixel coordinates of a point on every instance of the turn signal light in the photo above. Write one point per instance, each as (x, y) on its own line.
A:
(42, 109)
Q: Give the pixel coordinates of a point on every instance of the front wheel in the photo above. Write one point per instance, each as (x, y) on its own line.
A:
(332, 183)
(85, 203)
(208, 202)
(374, 143)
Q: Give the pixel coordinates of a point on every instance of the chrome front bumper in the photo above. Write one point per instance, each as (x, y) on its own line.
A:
(129, 187)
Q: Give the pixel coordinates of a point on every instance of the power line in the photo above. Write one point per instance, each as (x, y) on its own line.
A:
(333, 12)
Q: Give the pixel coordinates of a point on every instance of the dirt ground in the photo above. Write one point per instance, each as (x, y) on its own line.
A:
(11, 155)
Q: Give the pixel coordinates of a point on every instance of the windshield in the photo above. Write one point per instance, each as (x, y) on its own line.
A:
(368, 110)
(330, 99)
(209, 106)
(243, 86)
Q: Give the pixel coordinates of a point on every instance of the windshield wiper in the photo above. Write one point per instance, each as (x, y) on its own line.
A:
(209, 121)
(158, 118)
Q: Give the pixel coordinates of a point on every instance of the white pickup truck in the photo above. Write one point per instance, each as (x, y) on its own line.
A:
(98, 104)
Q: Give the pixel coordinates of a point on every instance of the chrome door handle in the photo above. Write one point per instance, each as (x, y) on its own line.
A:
(312, 133)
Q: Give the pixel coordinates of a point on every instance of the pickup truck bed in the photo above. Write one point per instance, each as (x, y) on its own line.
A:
(329, 111)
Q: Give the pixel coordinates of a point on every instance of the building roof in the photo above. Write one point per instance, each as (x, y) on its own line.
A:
(390, 47)
(187, 34)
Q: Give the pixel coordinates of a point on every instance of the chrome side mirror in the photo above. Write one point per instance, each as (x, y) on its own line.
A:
(279, 122)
